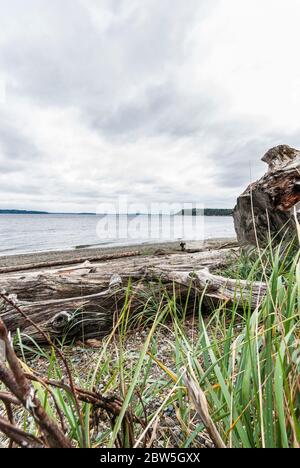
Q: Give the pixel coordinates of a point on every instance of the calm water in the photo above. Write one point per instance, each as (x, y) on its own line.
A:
(36, 233)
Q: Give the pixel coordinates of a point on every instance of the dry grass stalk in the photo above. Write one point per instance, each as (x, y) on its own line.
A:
(199, 400)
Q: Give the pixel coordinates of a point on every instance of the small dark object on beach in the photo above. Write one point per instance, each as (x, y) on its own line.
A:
(182, 245)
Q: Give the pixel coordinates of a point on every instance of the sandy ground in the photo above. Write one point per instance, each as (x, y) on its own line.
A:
(90, 253)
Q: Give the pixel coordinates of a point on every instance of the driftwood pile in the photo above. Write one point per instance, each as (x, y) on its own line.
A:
(80, 301)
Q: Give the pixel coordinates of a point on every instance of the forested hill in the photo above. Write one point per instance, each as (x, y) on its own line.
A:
(208, 212)
(22, 212)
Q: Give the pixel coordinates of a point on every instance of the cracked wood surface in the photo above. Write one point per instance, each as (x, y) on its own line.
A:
(81, 300)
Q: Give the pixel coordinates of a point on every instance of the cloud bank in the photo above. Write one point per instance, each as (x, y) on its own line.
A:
(160, 100)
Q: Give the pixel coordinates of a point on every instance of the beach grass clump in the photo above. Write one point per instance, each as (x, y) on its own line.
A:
(187, 378)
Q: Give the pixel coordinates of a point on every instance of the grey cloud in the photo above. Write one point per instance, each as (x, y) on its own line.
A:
(238, 158)
(158, 110)
(66, 61)
(16, 150)
(17, 186)
(238, 162)
(127, 80)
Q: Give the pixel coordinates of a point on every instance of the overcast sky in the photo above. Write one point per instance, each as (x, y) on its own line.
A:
(161, 100)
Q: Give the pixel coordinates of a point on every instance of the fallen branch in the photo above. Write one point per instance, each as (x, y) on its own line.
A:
(72, 261)
(21, 393)
(15, 381)
(18, 436)
(217, 287)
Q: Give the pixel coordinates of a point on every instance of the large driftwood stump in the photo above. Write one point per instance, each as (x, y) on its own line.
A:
(268, 205)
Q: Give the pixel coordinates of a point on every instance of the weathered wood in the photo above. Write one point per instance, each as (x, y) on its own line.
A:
(92, 315)
(74, 261)
(88, 278)
(220, 287)
(267, 205)
(83, 316)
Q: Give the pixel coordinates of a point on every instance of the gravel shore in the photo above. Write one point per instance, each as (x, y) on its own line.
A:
(90, 253)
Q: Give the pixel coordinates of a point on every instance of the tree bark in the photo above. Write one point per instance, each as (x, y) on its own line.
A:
(266, 209)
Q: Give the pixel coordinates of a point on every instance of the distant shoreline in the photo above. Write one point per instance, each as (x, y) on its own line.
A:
(204, 212)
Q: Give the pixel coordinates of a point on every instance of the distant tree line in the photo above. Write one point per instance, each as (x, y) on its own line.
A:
(22, 212)
(208, 212)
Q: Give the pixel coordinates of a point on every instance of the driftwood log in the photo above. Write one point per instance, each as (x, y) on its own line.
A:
(81, 301)
(267, 207)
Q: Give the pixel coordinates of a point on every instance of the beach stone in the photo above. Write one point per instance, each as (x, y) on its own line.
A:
(93, 343)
